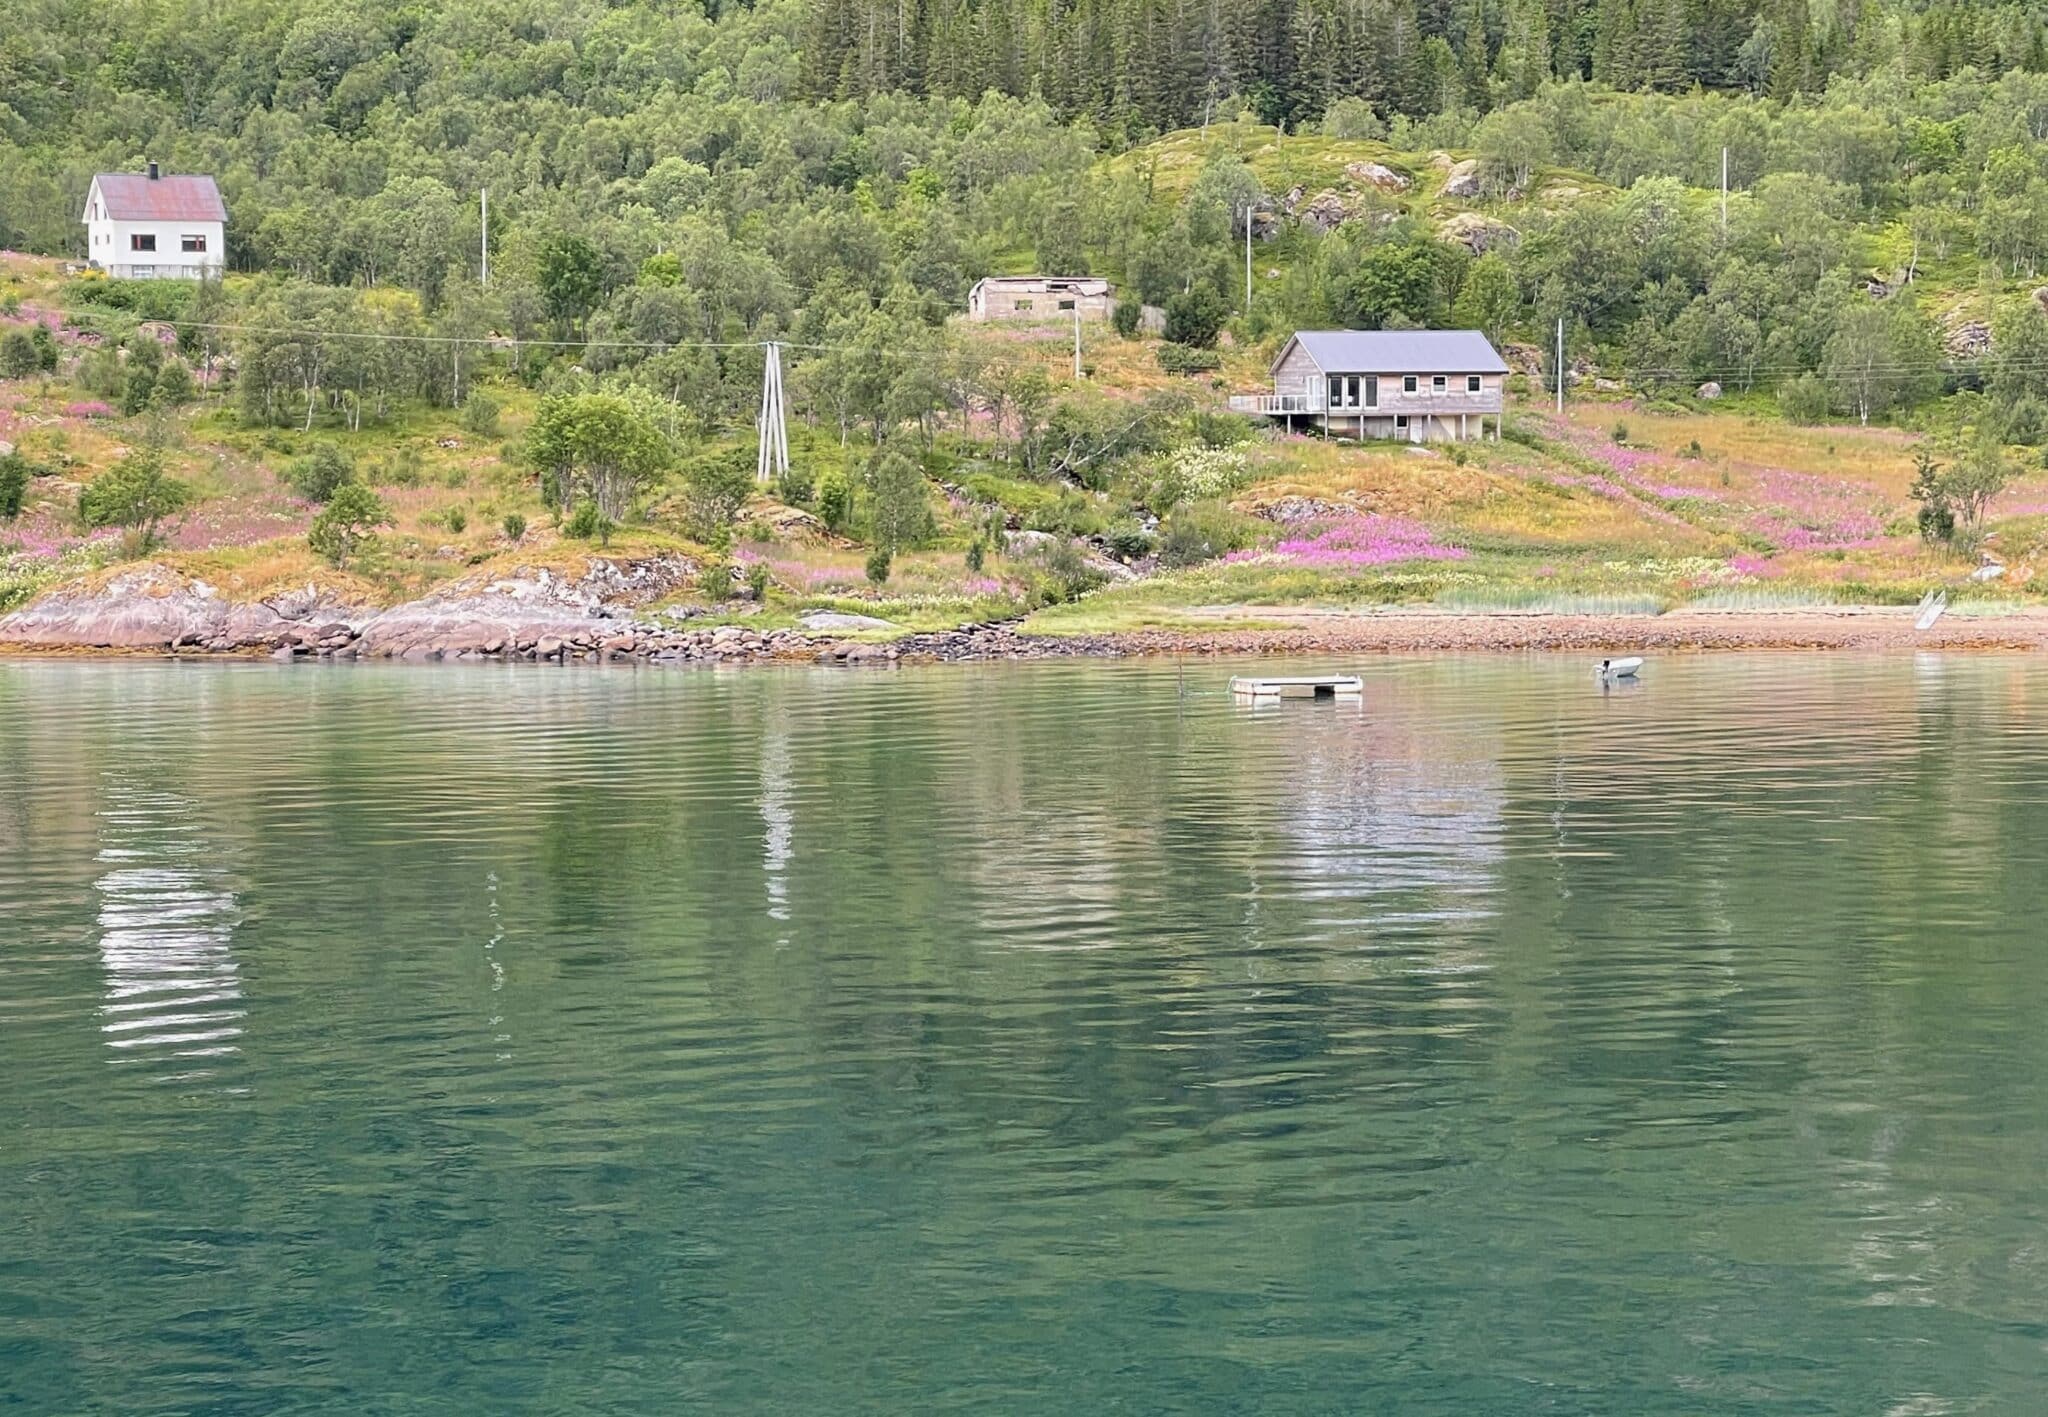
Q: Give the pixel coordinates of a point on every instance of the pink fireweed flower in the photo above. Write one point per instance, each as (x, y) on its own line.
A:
(1370, 540)
(91, 408)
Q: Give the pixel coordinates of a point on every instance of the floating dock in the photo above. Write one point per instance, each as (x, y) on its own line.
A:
(1311, 686)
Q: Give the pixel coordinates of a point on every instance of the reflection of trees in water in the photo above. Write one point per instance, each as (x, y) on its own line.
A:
(173, 992)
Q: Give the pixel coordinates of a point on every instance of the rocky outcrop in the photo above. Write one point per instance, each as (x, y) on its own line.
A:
(153, 607)
(1480, 234)
(1378, 175)
(1462, 180)
(523, 609)
(1967, 339)
(1324, 212)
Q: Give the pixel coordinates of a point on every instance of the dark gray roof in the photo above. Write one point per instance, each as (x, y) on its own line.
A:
(1401, 351)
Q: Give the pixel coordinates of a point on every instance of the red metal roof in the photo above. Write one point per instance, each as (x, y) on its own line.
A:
(134, 196)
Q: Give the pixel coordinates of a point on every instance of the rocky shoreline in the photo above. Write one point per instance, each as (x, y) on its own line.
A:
(600, 616)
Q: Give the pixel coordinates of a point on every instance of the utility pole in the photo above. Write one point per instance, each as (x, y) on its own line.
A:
(1247, 260)
(1560, 365)
(772, 456)
(1077, 337)
(484, 199)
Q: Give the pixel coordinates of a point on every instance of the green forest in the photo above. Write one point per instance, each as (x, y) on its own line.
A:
(1816, 214)
(833, 173)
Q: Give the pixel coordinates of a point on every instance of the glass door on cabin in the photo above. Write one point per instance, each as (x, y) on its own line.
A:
(1372, 391)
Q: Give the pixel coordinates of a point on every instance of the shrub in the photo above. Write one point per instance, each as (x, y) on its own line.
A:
(1126, 318)
(587, 523)
(46, 348)
(13, 485)
(878, 565)
(716, 486)
(1352, 118)
(1804, 399)
(138, 387)
(135, 493)
(835, 499)
(514, 526)
(1194, 317)
(101, 372)
(715, 580)
(899, 509)
(1130, 542)
(1219, 430)
(1619, 433)
(347, 523)
(1064, 573)
(456, 520)
(1196, 473)
(406, 469)
(1693, 450)
(1201, 531)
(977, 556)
(1183, 359)
(794, 486)
(318, 476)
(18, 355)
(480, 414)
(174, 385)
(757, 581)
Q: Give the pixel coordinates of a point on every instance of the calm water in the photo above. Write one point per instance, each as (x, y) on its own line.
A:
(1025, 1039)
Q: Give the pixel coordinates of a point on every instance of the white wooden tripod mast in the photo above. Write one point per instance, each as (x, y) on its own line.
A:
(772, 426)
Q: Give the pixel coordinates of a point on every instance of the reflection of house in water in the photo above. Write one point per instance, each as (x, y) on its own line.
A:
(1403, 820)
(166, 922)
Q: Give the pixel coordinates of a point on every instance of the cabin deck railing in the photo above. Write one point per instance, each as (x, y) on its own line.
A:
(1277, 403)
(1419, 404)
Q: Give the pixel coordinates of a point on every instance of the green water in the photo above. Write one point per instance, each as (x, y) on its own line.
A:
(1035, 1038)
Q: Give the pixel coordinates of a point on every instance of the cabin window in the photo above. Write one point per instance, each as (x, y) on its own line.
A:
(1066, 305)
(1471, 383)
(1023, 305)
(192, 243)
(142, 241)
(1407, 383)
(1400, 423)
(1372, 391)
(1438, 384)
(1336, 399)
(142, 272)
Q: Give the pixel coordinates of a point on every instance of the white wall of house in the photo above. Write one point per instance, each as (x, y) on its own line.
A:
(110, 245)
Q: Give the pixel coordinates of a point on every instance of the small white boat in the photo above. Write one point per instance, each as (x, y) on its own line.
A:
(1609, 669)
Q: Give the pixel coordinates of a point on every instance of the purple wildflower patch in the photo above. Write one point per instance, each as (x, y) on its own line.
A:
(1369, 540)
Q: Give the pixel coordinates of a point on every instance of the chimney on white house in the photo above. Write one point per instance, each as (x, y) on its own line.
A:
(154, 172)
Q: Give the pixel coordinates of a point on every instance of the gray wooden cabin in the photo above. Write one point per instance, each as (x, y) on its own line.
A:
(1416, 385)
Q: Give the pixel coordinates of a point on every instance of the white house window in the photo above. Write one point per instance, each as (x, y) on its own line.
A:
(1407, 385)
(1023, 305)
(1471, 383)
(142, 241)
(1401, 421)
(1438, 384)
(1066, 305)
(192, 243)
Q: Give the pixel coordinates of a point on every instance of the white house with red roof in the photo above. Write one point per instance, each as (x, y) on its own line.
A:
(153, 226)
